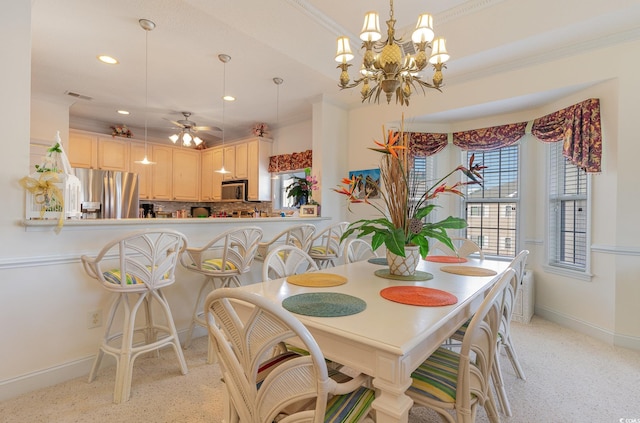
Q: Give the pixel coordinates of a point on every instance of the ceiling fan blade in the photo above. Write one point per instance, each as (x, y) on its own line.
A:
(207, 128)
(178, 124)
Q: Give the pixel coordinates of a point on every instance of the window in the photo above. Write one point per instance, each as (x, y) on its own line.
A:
(492, 209)
(568, 212)
(279, 188)
(422, 177)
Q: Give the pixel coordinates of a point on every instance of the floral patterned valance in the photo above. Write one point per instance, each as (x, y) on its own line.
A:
(422, 144)
(487, 139)
(579, 127)
(293, 161)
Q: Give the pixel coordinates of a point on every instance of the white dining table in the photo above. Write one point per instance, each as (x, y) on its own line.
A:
(388, 340)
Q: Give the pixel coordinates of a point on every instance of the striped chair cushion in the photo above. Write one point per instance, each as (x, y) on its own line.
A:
(268, 366)
(437, 377)
(114, 277)
(349, 407)
(216, 264)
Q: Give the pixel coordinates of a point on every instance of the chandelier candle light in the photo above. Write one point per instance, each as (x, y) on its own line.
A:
(385, 67)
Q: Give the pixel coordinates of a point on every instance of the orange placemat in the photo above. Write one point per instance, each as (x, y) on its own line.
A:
(446, 259)
(468, 270)
(316, 279)
(418, 295)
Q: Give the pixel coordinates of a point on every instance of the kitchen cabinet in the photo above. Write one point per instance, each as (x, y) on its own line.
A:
(113, 154)
(206, 175)
(137, 152)
(211, 180)
(162, 172)
(230, 162)
(259, 178)
(216, 180)
(82, 150)
(241, 161)
(186, 175)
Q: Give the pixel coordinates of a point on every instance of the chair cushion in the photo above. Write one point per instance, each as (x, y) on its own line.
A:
(437, 376)
(216, 264)
(114, 277)
(350, 407)
(268, 366)
(321, 250)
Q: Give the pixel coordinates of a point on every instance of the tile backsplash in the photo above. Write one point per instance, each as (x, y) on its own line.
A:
(217, 209)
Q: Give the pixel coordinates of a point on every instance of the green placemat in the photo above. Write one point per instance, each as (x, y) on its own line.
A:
(419, 276)
(324, 304)
(378, 260)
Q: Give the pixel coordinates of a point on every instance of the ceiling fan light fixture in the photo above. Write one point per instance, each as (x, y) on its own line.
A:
(174, 138)
(197, 141)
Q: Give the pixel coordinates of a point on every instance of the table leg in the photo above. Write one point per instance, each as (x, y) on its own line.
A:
(391, 403)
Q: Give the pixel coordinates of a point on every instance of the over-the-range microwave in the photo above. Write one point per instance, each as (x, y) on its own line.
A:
(234, 190)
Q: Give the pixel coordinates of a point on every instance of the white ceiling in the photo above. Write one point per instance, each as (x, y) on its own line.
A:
(291, 39)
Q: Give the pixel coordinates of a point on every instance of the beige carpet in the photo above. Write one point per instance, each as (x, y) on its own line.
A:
(570, 378)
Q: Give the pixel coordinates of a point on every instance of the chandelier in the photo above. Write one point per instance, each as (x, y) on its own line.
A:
(385, 68)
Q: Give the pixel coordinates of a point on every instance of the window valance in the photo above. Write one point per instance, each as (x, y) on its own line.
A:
(578, 126)
(293, 161)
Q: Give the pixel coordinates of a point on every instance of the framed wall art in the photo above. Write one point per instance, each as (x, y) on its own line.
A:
(368, 183)
(308, 210)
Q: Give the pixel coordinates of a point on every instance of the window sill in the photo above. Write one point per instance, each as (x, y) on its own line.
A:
(573, 274)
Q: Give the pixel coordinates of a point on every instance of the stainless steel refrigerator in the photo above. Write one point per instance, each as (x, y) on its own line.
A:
(108, 194)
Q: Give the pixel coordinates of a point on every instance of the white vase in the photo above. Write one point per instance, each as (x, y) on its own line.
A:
(404, 266)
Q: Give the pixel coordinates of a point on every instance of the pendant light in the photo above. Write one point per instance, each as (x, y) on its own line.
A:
(278, 81)
(224, 58)
(147, 25)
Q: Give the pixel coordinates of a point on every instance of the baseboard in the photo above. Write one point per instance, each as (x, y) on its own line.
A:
(22, 384)
(43, 378)
(586, 328)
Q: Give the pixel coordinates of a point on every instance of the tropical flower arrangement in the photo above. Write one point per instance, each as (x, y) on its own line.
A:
(121, 131)
(301, 189)
(260, 129)
(402, 221)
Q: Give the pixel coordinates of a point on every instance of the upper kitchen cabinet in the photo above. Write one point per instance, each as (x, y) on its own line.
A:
(258, 153)
(82, 150)
(211, 179)
(162, 172)
(186, 175)
(137, 152)
(113, 154)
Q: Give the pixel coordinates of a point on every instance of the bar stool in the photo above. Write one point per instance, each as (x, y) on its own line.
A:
(325, 246)
(297, 235)
(222, 261)
(135, 268)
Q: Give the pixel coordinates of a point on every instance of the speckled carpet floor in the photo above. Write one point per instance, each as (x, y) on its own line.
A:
(570, 378)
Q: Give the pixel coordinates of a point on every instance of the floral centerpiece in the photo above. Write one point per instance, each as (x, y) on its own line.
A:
(260, 129)
(121, 131)
(301, 189)
(401, 226)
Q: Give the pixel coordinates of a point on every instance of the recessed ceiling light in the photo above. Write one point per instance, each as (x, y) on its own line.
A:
(108, 59)
(229, 98)
(123, 112)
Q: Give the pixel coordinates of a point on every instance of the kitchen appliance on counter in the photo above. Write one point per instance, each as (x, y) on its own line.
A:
(107, 194)
(234, 190)
(200, 211)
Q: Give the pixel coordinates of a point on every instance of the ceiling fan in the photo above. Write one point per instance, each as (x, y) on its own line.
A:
(188, 131)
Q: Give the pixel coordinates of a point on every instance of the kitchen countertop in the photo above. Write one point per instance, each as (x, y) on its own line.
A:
(46, 223)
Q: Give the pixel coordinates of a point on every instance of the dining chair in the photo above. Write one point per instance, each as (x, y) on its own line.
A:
(326, 247)
(357, 249)
(464, 248)
(286, 260)
(222, 262)
(458, 381)
(135, 268)
(264, 384)
(298, 235)
(504, 332)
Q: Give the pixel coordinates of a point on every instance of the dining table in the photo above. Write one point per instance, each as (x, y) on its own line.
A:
(386, 337)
